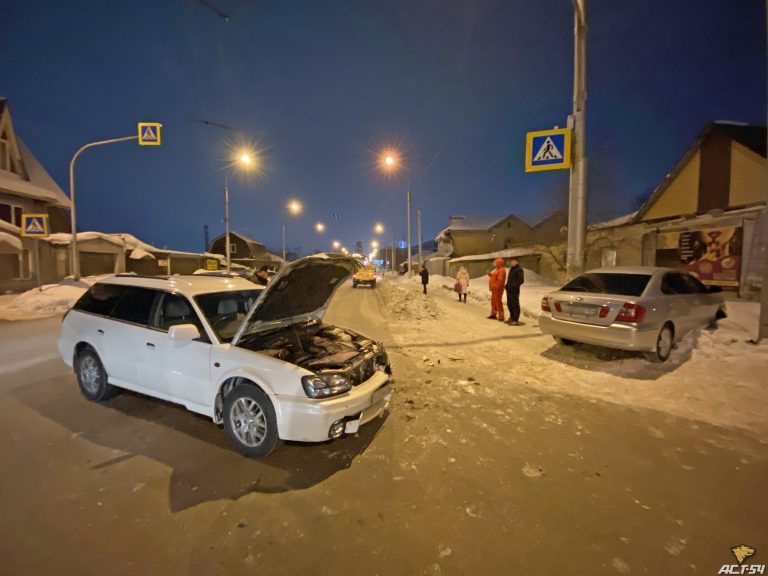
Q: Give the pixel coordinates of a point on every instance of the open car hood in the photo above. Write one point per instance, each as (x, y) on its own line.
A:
(302, 289)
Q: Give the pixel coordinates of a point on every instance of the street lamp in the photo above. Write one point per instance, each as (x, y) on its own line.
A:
(294, 208)
(72, 212)
(390, 163)
(245, 161)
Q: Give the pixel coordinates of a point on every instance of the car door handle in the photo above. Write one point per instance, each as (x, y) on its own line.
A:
(100, 331)
(150, 345)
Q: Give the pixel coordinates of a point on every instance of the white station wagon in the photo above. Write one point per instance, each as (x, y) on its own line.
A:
(258, 360)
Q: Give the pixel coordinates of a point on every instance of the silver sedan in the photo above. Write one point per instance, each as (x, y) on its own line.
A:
(631, 308)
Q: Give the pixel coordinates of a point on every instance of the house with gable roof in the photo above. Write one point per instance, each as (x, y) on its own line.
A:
(705, 216)
(25, 188)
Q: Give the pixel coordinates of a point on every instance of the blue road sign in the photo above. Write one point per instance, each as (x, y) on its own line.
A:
(402, 244)
(149, 133)
(34, 225)
(548, 150)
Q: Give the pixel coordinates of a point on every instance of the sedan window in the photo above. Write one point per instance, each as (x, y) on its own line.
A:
(608, 283)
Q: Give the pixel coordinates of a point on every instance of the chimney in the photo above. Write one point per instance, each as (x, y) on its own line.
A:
(456, 220)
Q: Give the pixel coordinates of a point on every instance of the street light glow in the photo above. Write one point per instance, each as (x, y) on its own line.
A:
(378, 228)
(336, 244)
(295, 207)
(320, 227)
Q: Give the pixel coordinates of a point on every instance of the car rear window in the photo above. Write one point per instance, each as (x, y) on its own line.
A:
(608, 283)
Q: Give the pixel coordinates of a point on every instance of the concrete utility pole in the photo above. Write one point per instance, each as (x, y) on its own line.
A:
(762, 332)
(577, 196)
(418, 231)
(408, 203)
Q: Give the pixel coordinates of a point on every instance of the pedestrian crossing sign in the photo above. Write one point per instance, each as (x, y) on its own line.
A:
(548, 150)
(149, 133)
(34, 225)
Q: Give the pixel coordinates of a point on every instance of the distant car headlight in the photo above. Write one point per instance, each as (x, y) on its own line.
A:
(325, 385)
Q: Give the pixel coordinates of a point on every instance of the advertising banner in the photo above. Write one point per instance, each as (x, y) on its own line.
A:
(713, 254)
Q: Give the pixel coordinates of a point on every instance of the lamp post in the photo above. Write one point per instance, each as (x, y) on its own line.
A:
(73, 216)
(390, 163)
(245, 160)
(294, 208)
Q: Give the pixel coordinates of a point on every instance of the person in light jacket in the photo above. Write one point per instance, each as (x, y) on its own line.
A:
(496, 279)
(462, 279)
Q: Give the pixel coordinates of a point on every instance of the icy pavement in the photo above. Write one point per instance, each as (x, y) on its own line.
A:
(712, 376)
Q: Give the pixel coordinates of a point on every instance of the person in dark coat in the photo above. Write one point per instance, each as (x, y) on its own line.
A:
(424, 277)
(515, 279)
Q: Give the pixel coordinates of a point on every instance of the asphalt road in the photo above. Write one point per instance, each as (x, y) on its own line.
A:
(460, 483)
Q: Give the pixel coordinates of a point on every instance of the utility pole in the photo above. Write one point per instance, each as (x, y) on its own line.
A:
(418, 231)
(226, 225)
(408, 203)
(205, 237)
(577, 195)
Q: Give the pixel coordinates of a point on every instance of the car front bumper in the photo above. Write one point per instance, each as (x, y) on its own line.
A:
(621, 336)
(308, 420)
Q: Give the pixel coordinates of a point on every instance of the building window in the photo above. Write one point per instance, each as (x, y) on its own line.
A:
(608, 259)
(232, 248)
(11, 214)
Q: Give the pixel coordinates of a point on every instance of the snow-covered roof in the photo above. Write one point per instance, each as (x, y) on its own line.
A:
(11, 240)
(619, 221)
(8, 227)
(40, 185)
(508, 253)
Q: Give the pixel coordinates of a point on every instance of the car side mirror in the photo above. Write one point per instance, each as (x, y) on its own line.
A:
(183, 332)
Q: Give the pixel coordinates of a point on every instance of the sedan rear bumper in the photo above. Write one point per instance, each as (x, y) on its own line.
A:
(621, 336)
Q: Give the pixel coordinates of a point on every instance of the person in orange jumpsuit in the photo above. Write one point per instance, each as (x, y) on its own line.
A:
(496, 280)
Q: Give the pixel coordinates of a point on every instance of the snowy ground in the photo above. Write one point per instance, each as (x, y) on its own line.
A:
(712, 376)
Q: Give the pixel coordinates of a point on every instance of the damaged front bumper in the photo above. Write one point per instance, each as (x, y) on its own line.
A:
(310, 420)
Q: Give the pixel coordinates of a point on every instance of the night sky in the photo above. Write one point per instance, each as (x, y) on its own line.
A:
(322, 85)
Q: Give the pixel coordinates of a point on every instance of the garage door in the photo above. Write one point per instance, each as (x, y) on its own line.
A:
(93, 263)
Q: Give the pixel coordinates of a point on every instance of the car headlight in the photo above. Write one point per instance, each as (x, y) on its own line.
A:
(325, 385)
(382, 361)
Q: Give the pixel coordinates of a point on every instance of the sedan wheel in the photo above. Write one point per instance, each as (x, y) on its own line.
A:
(664, 343)
(250, 422)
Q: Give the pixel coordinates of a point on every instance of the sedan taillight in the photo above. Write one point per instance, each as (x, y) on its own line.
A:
(545, 305)
(631, 313)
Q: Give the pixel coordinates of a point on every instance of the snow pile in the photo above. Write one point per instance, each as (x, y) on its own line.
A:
(712, 376)
(51, 300)
(405, 302)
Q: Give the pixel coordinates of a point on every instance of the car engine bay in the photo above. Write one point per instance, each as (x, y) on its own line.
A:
(322, 348)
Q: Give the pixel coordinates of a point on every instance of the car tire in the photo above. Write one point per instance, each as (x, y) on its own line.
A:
(719, 315)
(664, 343)
(373, 284)
(354, 284)
(250, 421)
(564, 341)
(91, 376)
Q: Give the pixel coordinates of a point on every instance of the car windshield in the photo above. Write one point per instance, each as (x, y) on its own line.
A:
(225, 311)
(608, 283)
